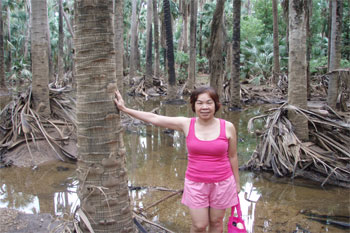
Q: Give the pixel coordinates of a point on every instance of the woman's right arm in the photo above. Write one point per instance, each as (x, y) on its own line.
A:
(176, 123)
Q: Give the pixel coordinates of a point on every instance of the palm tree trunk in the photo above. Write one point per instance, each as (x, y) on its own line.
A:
(133, 39)
(335, 52)
(40, 57)
(276, 53)
(235, 86)
(297, 88)
(169, 51)
(2, 58)
(156, 39)
(308, 46)
(119, 43)
(216, 47)
(285, 6)
(103, 189)
(193, 40)
(60, 65)
(149, 68)
(9, 55)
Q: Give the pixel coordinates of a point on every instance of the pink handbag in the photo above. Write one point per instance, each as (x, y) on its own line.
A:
(234, 221)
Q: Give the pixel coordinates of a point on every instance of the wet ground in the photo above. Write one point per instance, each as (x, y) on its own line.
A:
(157, 158)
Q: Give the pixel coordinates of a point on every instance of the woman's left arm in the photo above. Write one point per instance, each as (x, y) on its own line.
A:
(232, 152)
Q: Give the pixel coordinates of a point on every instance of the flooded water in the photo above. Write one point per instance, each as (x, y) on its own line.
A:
(157, 159)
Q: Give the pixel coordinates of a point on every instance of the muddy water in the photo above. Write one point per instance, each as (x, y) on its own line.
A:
(157, 158)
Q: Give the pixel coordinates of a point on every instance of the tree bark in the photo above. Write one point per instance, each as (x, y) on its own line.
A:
(276, 53)
(103, 189)
(285, 6)
(235, 86)
(40, 58)
(156, 39)
(29, 25)
(335, 52)
(193, 39)
(170, 51)
(149, 47)
(216, 47)
(297, 89)
(133, 45)
(119, 43)
(60, 65)
(308, 46)
(2, 58)
(9, 55)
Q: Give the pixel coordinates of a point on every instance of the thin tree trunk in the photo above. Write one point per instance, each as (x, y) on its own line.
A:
(297, 90)
(193, 39)
(9, 55)
(170, 51)
(2, 64)
(335, 52)
(308, 46)
(103, 188)
(185, 27)
(69, 26)
(133, 45)
(156, 39)
(216, 47)
(40, 58)
(119, 43)
(163, 43)
(29, 25)
(149, 67)
(329, 31)
(60, 65)
(235, 86)
(285, 6)
(276, 52)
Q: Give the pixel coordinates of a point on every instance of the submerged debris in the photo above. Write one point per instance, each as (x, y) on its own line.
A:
(325, 158)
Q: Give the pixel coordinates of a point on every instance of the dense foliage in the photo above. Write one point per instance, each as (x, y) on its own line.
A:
(256, 36)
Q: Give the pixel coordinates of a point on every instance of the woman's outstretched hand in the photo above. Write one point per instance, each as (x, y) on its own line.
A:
(118, 100)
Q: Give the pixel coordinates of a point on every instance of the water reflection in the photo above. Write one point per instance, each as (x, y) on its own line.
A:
(157, 158)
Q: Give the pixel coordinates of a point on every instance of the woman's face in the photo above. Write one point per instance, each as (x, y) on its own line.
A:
(205, 106)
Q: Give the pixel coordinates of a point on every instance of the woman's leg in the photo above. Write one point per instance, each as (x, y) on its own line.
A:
(200, 220)
(216, 220)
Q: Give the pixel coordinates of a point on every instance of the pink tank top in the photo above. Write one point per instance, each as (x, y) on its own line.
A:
(208, 161)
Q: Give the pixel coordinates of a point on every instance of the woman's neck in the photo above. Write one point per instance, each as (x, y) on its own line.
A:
(205, 122)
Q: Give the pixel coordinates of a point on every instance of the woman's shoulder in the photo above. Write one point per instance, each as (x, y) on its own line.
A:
(230, 129)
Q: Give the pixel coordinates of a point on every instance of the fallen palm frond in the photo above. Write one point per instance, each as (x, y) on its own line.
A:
(21, 123)
(325, 158)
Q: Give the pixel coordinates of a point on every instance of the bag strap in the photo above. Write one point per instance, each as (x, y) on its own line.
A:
(238, 207)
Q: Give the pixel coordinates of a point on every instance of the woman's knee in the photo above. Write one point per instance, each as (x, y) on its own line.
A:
(199, 226)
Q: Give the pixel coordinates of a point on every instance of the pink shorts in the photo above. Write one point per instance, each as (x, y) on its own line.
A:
(219, 195)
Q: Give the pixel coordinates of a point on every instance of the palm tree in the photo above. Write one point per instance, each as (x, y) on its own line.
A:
(119, 42)
(103, 189)
(335, 52)
(40, 57)
(149, 68)
(133, 39)
(169, 51)
(156, 39)
(217, 47)
(276, 53)
(193, 40)
(60, 65)
(297, 85)
(235, 87)
(2, 67)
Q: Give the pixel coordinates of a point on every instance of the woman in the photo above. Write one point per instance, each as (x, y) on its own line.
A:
(211, 179)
